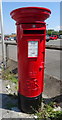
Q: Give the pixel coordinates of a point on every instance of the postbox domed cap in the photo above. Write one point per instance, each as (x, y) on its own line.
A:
(30, 14)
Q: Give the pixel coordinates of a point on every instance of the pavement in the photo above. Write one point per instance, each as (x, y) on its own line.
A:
(9, 103)
(54, 42)
(52, 84)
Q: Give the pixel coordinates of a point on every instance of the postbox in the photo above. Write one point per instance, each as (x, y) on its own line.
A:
(31, 37)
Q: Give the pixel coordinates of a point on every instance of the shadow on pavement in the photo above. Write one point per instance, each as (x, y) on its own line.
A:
(11, 101)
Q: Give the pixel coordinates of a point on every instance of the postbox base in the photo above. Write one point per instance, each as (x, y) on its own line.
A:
(29, 105)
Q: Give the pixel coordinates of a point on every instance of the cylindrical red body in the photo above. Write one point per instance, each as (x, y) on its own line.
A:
(31, 36)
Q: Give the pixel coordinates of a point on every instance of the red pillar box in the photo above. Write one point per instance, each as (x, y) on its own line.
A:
(31, 37)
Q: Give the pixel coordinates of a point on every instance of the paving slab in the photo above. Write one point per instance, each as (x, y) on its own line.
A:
(52, 89)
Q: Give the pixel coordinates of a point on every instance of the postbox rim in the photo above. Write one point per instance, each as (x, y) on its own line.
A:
(39, 8)
(21, 15)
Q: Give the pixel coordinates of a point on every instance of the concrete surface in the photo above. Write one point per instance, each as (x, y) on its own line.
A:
(52, 86)
(7, 102)
(12, 52)
(54, 42)
(7, 108)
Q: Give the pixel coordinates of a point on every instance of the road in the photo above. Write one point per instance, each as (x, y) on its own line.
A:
(52, 58)
(52, 62)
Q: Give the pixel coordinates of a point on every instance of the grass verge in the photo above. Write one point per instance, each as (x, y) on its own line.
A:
(8, 75)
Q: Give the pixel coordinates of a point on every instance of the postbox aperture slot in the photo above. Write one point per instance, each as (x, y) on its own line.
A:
(32, 49)
(33, 31)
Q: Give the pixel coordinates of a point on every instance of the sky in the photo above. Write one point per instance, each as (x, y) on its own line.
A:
(9, 24)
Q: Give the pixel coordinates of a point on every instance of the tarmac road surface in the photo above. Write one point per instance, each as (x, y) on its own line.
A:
(52, 63)
(52, 58)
